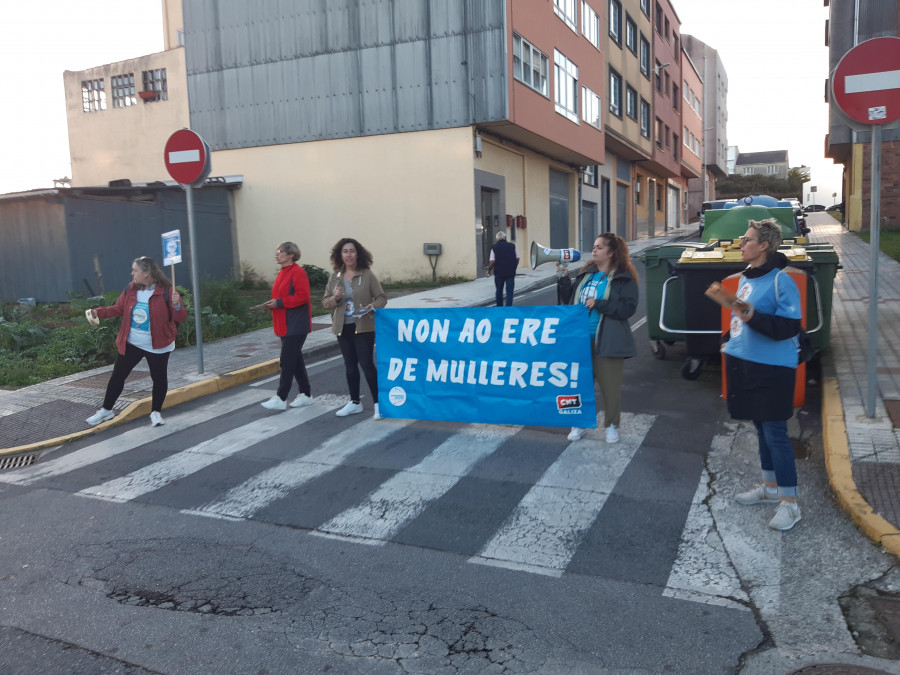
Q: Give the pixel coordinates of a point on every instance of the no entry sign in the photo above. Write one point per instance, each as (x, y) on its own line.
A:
(866, 82)
(187, 157)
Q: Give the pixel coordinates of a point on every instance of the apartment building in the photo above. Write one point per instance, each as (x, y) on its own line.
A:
(406, 123)
(692, 137)
(663, 170)
(715, 119)
(849, 23)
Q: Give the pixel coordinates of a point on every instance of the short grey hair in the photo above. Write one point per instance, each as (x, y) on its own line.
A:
(768, 231)
(500, 235)
(291, 249)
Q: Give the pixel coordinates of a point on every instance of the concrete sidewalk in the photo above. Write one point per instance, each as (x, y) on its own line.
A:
(862, 454)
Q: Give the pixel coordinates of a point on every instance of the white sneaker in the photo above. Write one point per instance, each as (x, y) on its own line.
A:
(612, 434)
(761, 494)
(377, 415)
(301, 400)
(156, 419)
(274, 403)
(100, 416)
(576, 433)
(349, 409)
(786, 516)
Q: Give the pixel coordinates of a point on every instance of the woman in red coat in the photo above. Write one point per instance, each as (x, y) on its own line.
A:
(150, 309)
(292, 321)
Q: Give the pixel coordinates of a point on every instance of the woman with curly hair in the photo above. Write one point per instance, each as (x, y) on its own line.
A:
(353, 293)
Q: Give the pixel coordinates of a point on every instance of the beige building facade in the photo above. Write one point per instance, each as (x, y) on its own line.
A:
(119, 120)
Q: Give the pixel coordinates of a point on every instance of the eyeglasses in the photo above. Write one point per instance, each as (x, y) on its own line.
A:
(744, 240)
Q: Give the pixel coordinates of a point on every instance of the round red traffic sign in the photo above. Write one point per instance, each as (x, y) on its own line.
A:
(866, 82)
(187, 157)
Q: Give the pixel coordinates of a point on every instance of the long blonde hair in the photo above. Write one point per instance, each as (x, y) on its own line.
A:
(149, 265)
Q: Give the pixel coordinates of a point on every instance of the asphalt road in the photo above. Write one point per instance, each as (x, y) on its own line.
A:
(234, 539)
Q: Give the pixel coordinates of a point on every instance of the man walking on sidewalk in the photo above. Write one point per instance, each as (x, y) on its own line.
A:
(503, 263)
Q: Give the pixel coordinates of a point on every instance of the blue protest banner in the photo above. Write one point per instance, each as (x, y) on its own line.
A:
(497, 365)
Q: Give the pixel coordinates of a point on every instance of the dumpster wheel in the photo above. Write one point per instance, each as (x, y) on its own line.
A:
(691, 369)
(659, 349)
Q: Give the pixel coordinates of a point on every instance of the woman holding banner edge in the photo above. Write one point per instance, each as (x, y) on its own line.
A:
(607, 286)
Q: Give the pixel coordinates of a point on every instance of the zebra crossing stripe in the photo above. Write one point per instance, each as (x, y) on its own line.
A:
(702, 571)
(243, 500)
(407, 494)
(195, 458)
(544, 531)
(129, 440)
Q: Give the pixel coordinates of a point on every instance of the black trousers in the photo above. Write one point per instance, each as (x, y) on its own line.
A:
(293, 367)
(125, 363)
(359, 352)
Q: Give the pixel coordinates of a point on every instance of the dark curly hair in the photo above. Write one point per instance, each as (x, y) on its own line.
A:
(363, 257)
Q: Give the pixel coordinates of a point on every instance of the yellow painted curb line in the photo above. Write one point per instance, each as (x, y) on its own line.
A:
(189, 392)
(840, 471)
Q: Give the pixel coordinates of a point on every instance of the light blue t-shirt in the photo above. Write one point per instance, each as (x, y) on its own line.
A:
(594, 286)
(750, 345)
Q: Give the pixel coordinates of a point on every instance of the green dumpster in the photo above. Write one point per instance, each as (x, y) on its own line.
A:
(658, 265)
(818, 307)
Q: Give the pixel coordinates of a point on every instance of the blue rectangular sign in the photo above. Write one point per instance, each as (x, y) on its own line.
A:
(491, 365)
(171, 242)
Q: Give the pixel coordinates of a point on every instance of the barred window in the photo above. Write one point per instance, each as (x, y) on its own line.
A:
(123, 90)
(155, 81)
(93, 95)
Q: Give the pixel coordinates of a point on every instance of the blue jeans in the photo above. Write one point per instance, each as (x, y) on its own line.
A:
(510, 283)
(776, 456)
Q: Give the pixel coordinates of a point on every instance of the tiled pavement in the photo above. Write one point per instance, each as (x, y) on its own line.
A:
(867, 450)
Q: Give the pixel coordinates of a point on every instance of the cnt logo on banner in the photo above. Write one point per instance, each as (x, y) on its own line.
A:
(511, 365)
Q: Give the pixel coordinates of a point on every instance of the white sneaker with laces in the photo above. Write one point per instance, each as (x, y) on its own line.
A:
(100, 416)
(156, 419)
(274, 403)
(301, 400)
(762, 494)
(786, 516)
(576, 433)
(377, 415)
(612, 434)
(350, 409)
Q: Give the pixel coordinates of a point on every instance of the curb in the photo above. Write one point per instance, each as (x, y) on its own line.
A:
(174, 397)
(840, 471)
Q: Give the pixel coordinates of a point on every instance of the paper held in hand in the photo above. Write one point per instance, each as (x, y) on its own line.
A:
(93, 320)
(729, 301)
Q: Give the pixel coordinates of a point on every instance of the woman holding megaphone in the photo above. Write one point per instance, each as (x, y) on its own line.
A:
(607, 286)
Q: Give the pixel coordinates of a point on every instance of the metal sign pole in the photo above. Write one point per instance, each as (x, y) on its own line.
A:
(195, 275)
(874, 247)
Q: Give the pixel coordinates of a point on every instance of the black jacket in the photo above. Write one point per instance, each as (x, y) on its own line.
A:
(614, 338)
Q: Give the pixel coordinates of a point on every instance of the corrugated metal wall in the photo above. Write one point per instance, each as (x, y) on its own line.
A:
(49, 242)
(34, 261)
(266, 73)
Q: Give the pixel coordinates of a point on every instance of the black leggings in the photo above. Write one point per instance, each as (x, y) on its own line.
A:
(125, 363)
(359, 352)
(293, 367)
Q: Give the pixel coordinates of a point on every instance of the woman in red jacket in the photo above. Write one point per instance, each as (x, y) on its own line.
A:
(291, 320)
(151, 310)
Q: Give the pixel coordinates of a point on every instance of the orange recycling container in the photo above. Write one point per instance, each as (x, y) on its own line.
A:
(730, 284)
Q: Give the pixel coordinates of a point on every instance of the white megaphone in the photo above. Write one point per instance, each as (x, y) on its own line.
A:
(561, 256)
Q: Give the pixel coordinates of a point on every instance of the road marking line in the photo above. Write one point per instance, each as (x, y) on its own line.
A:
(129, 440)
(407, 494)
(702, 571)
(182, 464)
(243, 500)
(547, 526)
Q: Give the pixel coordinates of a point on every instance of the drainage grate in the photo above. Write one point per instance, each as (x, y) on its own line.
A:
(17, 461)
